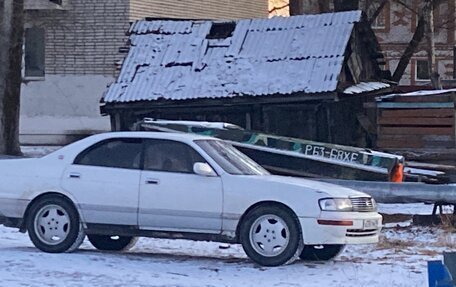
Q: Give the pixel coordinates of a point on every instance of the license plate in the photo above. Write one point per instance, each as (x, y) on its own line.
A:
(370, 224)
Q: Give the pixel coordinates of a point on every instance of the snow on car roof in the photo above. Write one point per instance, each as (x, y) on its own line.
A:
(154, 135)
(205, 124)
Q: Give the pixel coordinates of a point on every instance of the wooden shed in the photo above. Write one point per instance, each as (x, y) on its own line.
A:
(304, 76)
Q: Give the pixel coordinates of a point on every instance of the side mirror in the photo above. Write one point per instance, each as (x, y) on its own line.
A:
(203, 169)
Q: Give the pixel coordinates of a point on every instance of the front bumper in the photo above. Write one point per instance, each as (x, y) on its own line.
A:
(356, 233)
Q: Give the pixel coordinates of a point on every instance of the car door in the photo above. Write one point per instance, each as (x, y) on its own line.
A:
(104, 180)
(172, 197)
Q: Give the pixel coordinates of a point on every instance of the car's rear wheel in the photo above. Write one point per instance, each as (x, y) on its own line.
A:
(321, 252)
(270, 235)
(53, 225)
(112, 242)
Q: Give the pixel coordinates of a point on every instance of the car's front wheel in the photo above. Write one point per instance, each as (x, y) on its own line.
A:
(112, 243)
(270, 235)
(53, 225)
(321, 252)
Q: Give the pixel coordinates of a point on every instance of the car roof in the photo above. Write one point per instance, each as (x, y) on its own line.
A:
(155, 135)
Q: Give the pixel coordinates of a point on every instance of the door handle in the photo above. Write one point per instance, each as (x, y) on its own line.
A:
(152, 181)
(75, 175)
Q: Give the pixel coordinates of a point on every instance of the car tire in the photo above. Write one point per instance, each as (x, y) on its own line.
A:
(321, 252)
(271, 235)
(112, 243)
(54, 226)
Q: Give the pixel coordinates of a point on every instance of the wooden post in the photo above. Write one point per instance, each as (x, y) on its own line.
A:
(248, 120)
(430, 44)
(453, 96)
(257, 117)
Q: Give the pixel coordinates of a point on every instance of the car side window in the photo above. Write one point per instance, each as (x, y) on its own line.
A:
(119, 153)
(170, 156)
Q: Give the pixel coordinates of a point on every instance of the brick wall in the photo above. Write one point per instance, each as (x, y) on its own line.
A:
(85, 38)
(199, 9)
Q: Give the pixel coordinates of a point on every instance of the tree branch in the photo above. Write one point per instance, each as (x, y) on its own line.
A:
(279, 8)
(406, 6)
(409, 51)
(377, 11)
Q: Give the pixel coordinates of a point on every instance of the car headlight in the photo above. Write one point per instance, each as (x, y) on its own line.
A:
(374, 204)
(335, 204)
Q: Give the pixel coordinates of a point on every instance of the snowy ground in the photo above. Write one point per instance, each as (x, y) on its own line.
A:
(398, 260)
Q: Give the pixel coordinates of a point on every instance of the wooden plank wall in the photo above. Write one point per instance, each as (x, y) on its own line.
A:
(424, 122)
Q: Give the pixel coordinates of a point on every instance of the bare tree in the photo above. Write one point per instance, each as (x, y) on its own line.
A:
(11, 35)
(377, 11)
(424, 30)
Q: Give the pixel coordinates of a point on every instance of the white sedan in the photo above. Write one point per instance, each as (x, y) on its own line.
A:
(117, 186)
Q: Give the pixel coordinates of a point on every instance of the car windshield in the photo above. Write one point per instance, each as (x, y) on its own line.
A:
(230, 159)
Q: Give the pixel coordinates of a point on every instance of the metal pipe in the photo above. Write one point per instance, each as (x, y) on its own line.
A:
(405, 192)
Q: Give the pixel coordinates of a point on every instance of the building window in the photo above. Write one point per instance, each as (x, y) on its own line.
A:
(422, 70)
(380, 21)
(34, 52)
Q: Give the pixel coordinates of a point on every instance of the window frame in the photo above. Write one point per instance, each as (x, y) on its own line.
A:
(243, 157)
(386, 11)
(87, 150)
(146, 140)
(416, 71)
(25, 45)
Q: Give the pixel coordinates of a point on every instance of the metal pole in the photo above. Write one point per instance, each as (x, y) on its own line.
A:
(406, 192)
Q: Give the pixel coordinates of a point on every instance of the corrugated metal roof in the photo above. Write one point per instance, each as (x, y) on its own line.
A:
(366, 87)
(176, 60)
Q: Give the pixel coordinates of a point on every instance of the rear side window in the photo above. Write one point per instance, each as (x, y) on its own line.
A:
(119, 153)
(170, 156)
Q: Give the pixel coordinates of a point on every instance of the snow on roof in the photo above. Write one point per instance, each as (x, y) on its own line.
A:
(366, 87)
(188, 59)
(417, 93)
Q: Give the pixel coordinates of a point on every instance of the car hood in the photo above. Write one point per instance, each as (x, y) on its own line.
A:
(330, 189)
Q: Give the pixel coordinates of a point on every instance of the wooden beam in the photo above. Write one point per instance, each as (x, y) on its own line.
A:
(424, 99)
(417, 137)
(413, 144)
(393, 105)
(416, 131)
(416, 121)
(418, 113)
(207, 102)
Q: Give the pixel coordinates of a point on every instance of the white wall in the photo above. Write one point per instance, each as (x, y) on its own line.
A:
(60, 109)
